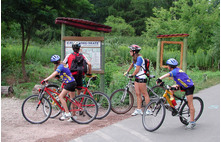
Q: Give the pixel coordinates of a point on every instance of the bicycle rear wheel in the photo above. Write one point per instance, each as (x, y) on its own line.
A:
(103, 103)
(185, 112)
(119, 104)
(153, 116)
(84, 109)
(33, 109)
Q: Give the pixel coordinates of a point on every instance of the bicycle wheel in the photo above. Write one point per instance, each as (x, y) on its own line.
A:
(185, 112)
(84, 109)
(121, 101)
(153, 116)
(103, 103)
(55, 108)
(33, 109)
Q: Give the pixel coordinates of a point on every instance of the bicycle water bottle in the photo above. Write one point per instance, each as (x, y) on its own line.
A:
(173, 101)
(84, 83)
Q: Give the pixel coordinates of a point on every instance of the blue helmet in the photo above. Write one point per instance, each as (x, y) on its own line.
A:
(172, 62)
(55, 59)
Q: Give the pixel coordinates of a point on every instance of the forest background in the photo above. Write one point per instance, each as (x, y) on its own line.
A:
(29, 36)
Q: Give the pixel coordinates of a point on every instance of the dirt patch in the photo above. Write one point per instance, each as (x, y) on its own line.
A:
(15, 128)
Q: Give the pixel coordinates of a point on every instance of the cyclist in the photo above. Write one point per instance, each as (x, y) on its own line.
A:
(65, 75)
(184, 83)
(140, 77)
(68, 60)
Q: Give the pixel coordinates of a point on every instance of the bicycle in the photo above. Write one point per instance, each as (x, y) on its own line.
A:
(157, 110)
(102, 100)
(37, 109)
(122, 100)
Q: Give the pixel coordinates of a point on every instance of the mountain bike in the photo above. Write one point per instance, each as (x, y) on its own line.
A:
(103, 101)
(122, 100)
(157, 110)
(36, 109)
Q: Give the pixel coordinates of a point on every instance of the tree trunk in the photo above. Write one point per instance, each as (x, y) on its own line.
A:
(23, 54)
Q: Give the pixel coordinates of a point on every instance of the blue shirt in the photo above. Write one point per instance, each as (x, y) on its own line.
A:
(181, 78)
(65, 74)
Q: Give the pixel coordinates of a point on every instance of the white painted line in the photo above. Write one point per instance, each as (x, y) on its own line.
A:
(105, 136)
(140, 136)
(78, 140)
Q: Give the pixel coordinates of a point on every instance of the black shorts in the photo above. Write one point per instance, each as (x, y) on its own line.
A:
(188, 91)
(70, 86)
(141, 80)
(78, 79)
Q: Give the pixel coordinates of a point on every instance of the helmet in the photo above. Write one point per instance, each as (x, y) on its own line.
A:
(76, 45)
(172, 62)
(135, 48)
(55, 59)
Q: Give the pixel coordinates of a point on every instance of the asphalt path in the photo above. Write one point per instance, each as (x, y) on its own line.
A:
(132, 130)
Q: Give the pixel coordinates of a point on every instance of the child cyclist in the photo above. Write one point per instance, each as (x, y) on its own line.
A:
(183, 83)
(65, 75)
(140, 77)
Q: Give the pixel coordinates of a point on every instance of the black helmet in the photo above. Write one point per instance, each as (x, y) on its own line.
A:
(135, 48)
(76, 45)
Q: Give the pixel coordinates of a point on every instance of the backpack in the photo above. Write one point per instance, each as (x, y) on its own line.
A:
(147, 64)
(78, 64)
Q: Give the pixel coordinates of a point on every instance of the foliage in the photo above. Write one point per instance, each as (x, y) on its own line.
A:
(202, 26)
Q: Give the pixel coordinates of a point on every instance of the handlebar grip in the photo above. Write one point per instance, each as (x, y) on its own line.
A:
(174, 88)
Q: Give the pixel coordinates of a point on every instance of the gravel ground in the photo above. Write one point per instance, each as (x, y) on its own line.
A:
(14, 128)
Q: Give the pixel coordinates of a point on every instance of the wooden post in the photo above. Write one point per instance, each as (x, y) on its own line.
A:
(62, 42)
(158, 57)
(102, 78)
(185, 54)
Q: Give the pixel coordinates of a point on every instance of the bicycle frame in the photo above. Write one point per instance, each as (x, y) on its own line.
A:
(48, 90)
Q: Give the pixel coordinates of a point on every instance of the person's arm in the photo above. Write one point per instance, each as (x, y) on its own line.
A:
(159, 80)
(89, 67)
(51, 76)
(131, 66)
(136, 71)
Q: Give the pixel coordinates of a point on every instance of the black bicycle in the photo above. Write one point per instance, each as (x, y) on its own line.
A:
(122, 100)
(155, 111)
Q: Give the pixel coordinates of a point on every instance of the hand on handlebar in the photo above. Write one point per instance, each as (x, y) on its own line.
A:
(88, 75)
(126, 74)
(43, 82)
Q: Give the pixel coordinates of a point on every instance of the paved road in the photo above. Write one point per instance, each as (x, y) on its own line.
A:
(131, 130)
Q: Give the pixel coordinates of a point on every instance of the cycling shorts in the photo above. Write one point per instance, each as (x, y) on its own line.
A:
(78, 79)
(70, 86)
(188, 91)
(141, 80)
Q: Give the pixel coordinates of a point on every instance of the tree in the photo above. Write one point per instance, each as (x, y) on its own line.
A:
(30, 14)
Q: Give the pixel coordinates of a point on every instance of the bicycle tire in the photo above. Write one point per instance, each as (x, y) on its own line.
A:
(33, 112)
(55, 108)
(104, 104)
(159, 90)
(121, 107)
(150, 121)
(184, 111)
(85, 111)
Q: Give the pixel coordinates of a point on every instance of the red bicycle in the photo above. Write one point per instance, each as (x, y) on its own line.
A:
(37, 109)
(102, 100)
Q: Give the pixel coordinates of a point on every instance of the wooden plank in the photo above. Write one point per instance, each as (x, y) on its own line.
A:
(75, 38)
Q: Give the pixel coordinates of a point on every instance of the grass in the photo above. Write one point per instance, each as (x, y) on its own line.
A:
(117, 60)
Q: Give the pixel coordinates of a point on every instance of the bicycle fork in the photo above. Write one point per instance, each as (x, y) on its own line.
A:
(124, 95)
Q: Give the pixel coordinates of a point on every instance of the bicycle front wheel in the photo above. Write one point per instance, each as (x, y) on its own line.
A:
(185, 111)
(122, 101)
(33, 109)
(103, 103)
(153, 116)
(84, 109)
